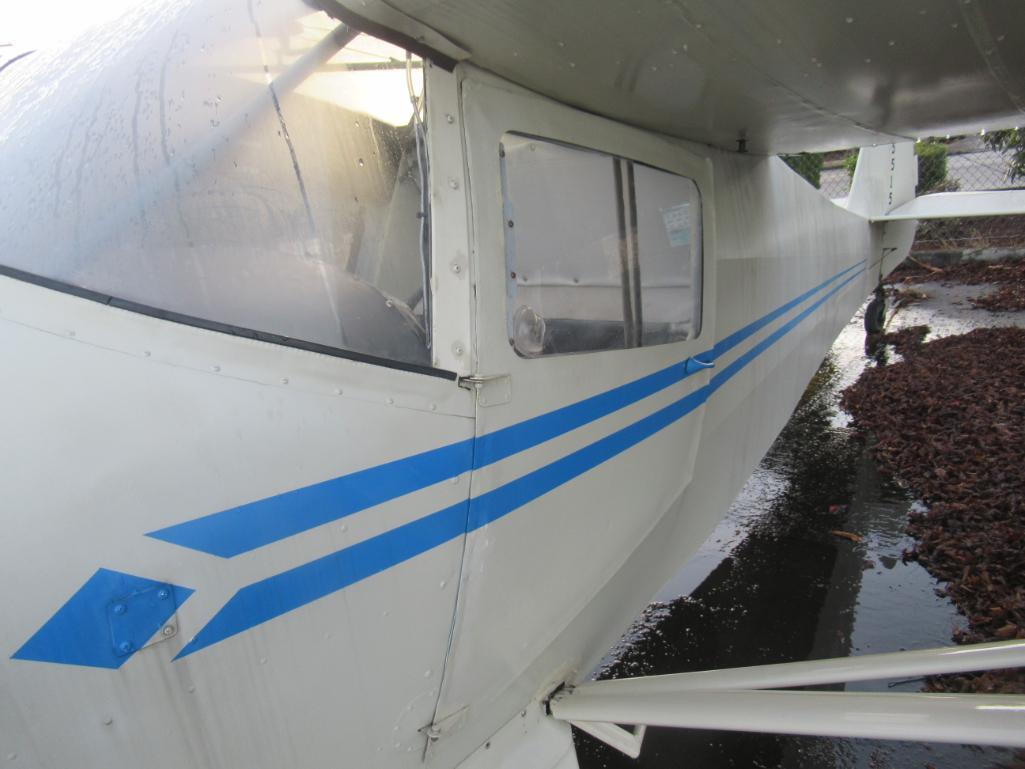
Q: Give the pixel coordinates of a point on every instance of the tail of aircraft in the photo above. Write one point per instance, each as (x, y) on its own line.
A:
(883, 190)
(884, 178)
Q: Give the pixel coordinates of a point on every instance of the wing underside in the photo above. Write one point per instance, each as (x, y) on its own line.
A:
(780, 76)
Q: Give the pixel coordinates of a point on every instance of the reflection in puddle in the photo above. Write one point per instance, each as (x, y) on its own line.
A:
(773, 583)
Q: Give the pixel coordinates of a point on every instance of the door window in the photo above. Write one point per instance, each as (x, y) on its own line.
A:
(601, 253)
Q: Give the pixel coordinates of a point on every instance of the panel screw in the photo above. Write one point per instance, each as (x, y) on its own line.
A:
(168, 630)
(162, 593)
(120, 608)
(125, 647)
(453, 184)
(449, 119)
(456, 268)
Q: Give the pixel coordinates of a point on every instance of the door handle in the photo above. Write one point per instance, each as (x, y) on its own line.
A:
(693, 365)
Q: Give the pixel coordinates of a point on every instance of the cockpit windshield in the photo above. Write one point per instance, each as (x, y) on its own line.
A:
(254, 164)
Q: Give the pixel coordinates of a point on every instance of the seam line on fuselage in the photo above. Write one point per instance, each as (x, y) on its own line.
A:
(281, 593)
(246, 527)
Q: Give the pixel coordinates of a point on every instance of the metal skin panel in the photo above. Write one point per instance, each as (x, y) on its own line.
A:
(116, 425)
(531, 739)
(785, 269)
(785, 76)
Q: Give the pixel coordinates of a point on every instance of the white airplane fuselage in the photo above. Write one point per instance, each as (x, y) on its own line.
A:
(232, 546)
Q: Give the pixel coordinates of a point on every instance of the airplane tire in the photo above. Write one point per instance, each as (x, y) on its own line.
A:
(875, 315)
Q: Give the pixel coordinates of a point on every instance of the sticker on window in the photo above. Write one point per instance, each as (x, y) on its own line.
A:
(677, 221)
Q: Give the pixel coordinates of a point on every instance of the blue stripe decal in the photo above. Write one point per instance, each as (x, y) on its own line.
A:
(721, 377)
(731, 341)
(503, 443)
(269, 598)
(500, 502)
(255, 524)
(262, 601)
(240, 529)
(105, 622)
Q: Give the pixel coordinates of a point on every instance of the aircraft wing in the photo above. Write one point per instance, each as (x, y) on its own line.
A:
(783, 76)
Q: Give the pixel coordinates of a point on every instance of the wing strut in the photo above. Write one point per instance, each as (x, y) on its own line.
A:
(744, 699)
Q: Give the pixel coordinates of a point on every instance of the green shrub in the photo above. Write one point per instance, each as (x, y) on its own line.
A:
(808, 165)
(850, 163)
(932, 165)
(1011, 140)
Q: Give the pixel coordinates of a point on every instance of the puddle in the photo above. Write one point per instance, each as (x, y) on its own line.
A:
(773, 584)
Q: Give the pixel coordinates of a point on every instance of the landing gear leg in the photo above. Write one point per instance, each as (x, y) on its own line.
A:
(875, 313)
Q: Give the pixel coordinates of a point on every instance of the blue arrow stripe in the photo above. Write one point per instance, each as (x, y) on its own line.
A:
(269, 598)
(277, 595)
(247, 527)
(244, 528)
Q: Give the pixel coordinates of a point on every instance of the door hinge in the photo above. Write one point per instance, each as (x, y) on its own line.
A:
(435, 730)
(491, 390)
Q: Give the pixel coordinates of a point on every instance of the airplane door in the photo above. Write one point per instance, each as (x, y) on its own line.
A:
(593, 277)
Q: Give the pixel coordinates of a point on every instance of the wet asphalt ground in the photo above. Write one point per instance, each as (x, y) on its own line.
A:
(774, 584)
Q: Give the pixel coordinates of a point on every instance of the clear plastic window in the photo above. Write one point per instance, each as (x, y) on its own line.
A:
(601, 253)
(563, 248)
(260, 166)
(669, 255)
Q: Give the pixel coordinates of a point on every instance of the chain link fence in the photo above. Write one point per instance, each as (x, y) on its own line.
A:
(966, 163)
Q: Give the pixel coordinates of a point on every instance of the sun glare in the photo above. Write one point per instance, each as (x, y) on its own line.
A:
(29, 24)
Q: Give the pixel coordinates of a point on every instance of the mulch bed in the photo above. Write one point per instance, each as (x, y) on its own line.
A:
(970, 234)
(948, 421)
(1007, 275)
(906, 342)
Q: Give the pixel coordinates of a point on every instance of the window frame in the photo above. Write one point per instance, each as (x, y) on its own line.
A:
(223, 328)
